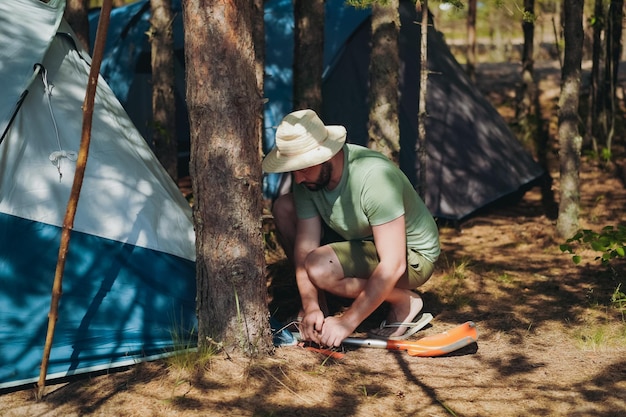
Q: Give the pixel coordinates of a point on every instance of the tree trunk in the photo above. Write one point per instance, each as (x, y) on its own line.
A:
(613, 54)
(422, 112)
(225, 104)
(163, 80)
(308, 57)
(471, 40)
(527, 108)
(593, 130)
(384, 68)
(569, 138)
(76, 15)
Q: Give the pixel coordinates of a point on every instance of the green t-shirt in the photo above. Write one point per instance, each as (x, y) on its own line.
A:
(372, 191)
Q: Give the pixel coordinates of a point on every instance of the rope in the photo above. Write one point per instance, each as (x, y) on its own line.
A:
(57, 156)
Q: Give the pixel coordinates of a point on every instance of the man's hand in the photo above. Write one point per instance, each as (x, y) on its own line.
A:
(334, 331)
(311, 326)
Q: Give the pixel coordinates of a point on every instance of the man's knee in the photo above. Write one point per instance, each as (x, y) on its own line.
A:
(323, 268)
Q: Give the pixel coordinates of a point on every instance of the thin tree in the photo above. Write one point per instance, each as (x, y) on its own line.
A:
(308, 57)
(225, 104)
(422, 112)
(570, 141)
(527, 107)
(384, 70)
(612, 57)
(528, 112)
(76, 16)
(308, 61)
(161, 35)
(471, 39)
(593, 125)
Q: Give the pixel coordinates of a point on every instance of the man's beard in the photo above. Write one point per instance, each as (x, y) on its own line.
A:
(322, 180)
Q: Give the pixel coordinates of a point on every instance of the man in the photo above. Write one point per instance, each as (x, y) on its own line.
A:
(389, 241)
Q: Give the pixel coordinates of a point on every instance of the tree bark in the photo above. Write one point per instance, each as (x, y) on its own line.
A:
(527, 108)
(163, 80)
(593, 125)
(308, 54)
(422, 113)
(471, 40)
(570, 141)
(615, 16)
(384, 68)
(259, 45)
(76, 16)
(225, 104)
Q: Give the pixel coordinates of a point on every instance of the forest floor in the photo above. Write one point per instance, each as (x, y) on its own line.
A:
(552, 334)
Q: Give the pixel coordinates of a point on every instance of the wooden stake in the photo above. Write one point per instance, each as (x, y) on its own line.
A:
(70, 212)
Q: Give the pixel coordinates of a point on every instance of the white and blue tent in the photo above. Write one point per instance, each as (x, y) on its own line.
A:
(129, 279)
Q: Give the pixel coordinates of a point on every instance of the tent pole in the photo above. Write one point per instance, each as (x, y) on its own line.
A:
(20, 101)
(70, 213)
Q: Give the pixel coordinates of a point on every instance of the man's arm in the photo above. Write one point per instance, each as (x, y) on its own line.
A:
(308, 235)
(390, 242)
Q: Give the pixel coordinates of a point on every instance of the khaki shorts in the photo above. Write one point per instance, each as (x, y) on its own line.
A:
(359, 259)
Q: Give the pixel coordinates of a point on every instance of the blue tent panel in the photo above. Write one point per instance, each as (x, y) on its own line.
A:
(114, 309)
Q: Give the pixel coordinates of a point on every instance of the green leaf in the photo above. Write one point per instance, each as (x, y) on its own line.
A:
(576, 259)
(598, 246)
(577, 236)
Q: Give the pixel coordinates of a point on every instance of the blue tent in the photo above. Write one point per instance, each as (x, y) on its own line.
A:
(129, 278)
(473, 157)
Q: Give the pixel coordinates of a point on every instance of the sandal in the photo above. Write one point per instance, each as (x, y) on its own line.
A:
(385, 329)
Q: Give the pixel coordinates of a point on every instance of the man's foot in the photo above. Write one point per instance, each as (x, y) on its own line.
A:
(401, 319)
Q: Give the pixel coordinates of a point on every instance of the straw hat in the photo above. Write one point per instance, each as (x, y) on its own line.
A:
(303, 141)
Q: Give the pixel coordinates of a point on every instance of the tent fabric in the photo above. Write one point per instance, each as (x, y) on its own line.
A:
(129, 278)
(43, 17)
(473, 157)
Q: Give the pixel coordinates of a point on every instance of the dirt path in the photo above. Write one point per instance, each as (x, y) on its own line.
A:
(551, 343)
